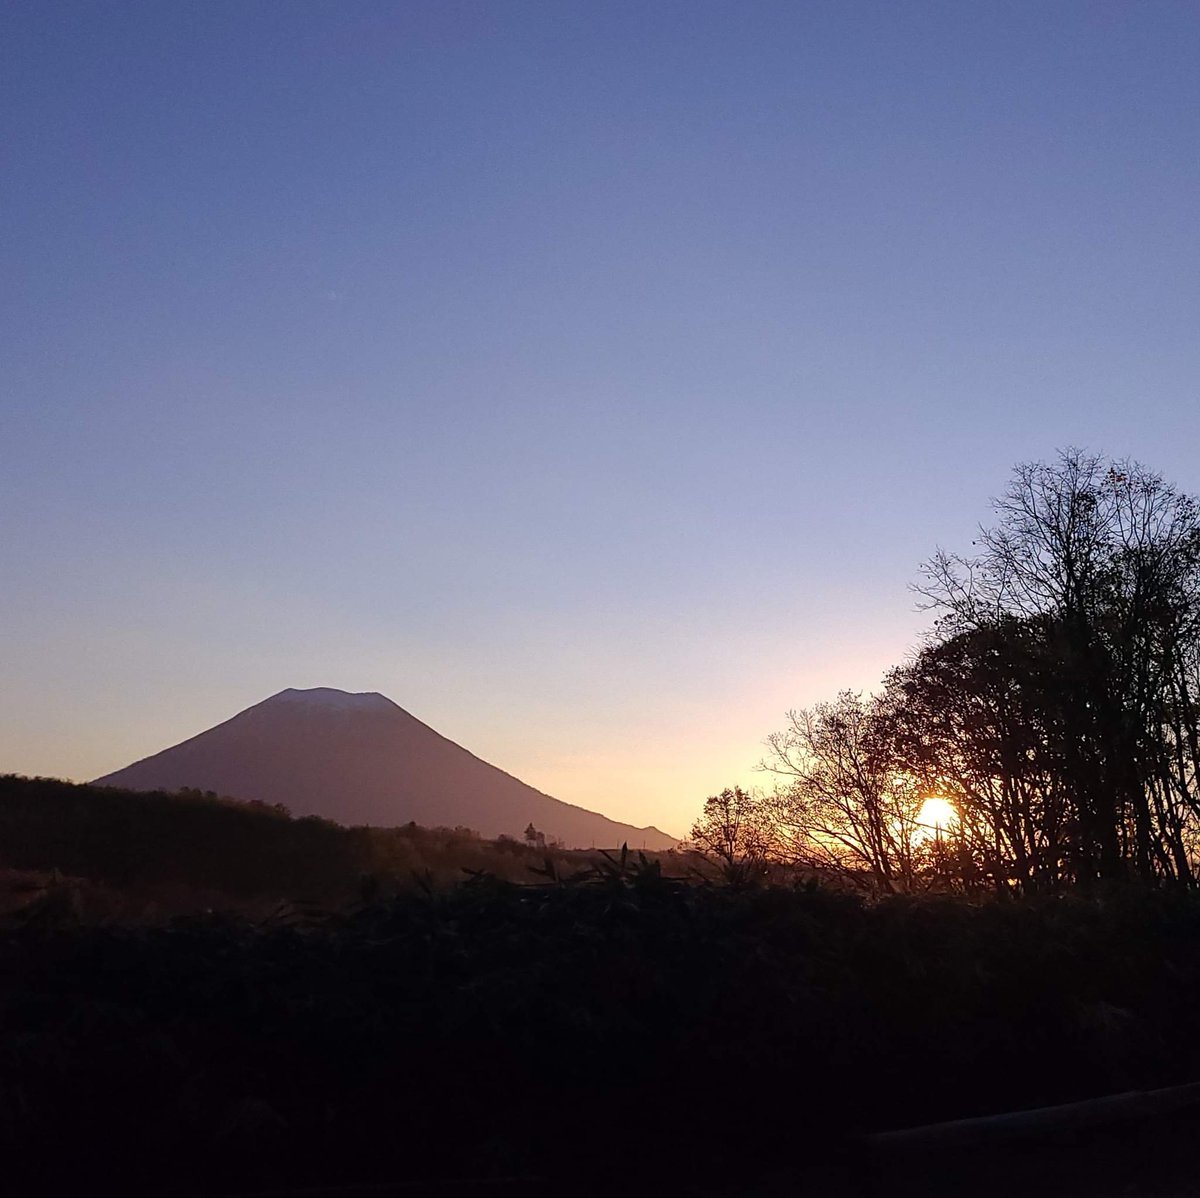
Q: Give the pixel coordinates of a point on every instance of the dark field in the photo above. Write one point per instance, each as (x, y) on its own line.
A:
(621, 1031)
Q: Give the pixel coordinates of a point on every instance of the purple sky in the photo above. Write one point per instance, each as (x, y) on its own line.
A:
(589, 378)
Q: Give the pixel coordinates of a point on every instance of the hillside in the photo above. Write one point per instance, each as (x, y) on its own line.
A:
(131, 855)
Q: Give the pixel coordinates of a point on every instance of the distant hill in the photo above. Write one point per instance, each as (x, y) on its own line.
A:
(359, 759)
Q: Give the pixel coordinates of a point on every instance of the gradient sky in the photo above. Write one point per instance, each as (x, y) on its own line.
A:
(589, 378)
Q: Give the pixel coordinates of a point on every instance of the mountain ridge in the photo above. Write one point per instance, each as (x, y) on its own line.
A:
(360, 758)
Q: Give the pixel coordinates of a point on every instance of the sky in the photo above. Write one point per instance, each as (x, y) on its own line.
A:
(589, 378)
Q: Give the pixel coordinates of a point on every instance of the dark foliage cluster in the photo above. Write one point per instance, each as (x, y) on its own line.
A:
(615, 1024)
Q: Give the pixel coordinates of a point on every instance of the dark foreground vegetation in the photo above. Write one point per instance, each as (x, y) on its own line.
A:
(618, 1030)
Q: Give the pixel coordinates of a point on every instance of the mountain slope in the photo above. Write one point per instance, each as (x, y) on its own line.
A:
(361, 759)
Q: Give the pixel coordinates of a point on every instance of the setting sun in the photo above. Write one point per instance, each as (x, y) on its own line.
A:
(936, 815)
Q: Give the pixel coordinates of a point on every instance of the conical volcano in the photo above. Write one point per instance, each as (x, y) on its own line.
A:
(361, 759)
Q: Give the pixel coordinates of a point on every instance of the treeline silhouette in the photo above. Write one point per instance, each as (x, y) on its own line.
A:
(126, 854)
(1055, 706)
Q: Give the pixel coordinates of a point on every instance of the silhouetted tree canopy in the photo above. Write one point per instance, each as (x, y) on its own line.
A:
(735, 828)
(1055, 705)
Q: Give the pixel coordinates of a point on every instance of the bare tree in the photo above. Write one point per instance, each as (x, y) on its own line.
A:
(844, 805)
(1097, 564)
(735, 829)
(1056, 705)
(968, 723)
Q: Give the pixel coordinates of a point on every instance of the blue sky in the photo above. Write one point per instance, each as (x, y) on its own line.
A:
(589, 378)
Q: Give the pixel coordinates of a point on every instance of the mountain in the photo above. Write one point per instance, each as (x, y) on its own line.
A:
(361, 759)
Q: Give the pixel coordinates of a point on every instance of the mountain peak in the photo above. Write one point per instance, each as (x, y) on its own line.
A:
(360, 759)
(335, 700)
